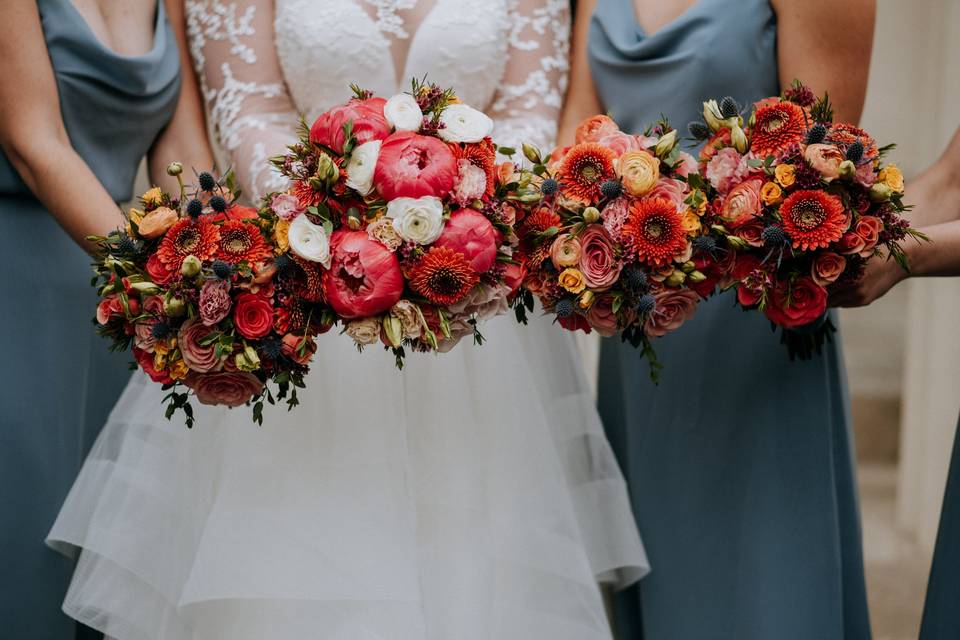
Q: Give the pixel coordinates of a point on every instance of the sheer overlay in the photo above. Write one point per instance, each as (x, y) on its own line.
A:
(471, 497)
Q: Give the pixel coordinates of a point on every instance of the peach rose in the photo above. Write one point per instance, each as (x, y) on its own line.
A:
(594, 128)
(572, 280)
(156, 223)
(825, 158)
(827, 267)
(869, 228)
(742, 204)
(673, 308)
(300, 349)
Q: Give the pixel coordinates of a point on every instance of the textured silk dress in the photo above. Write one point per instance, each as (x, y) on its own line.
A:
(57, 380)
(740, 462)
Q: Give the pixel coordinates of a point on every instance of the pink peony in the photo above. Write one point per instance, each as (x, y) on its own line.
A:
(230, 389)
(726, 169)
(602, 318)
(286, 206)
(364, 278)
(827, 267)
(742, 203)
(471, 234)
(214, 301)
(598, 261)
(413, 166)
(673, 308)
(198, 357)
(368, 121)
(471, 183)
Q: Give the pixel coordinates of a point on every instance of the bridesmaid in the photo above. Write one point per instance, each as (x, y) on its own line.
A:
(936, 196)
(740, 462)
(88, 89)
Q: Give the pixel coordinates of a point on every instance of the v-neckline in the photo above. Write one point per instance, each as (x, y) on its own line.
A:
(400, 81)
(157, 32)
(669, 25)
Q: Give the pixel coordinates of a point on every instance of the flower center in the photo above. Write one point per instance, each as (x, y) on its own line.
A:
(236, 242)
(774, 123)
(808, 215)
(188, 240)
(654, 229)
(445, 281)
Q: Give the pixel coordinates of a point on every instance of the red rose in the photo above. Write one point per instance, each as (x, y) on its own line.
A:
(413, 166)
(158, 271)
(252, 315)
(145, 360)
(364, 278)
(574, 322)
(752, 279)
(807, 302)
(228, 388)
(471, 234)
(368, 121)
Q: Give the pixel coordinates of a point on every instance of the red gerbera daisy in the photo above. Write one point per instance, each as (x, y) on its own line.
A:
(812, 219)
(241, 242)
(843, 135)
(585, 167)
(535, 224)
(306, 195)
(776, 126)
(188, 237)
(443, 276)
(482, 154)
(654, 231)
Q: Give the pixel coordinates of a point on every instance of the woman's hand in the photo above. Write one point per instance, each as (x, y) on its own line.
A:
(880, 276)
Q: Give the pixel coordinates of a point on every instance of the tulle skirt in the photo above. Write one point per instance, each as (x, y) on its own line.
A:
(471, 497)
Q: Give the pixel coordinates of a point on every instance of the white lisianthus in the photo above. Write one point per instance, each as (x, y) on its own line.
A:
(309, 241)
(403, 113)
(418, 220)
(362, 163)
(462, 123)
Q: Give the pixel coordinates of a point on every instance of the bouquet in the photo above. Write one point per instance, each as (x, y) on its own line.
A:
(803, 202)
(393, 204)
(611, 234)
(202, 291)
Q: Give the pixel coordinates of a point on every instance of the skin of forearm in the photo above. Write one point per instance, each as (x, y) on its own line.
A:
(940, 256)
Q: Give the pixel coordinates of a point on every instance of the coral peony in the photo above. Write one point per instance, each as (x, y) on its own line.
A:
(471, 234)
(366, 117)
(364, 278)
(413, 166)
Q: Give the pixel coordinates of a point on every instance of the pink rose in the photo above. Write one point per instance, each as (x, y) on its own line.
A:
(602, 318)
(726, 169)
(230, 389)
(286, 206)
(669, 189)
(827, 267)
(798, 305)
(743, 203)
(143, 329)
(158, 271)
(825, 158)
(364, 278)
(673, 308)
(598, 263)
(413, 166)
(200, 358)
(215, 302)
(368, 121)
(513, 276)
(869, 228)
(851, 243)
(111, 307)
(751, 232)
(471, 183)
(471, 234)
(145, 360)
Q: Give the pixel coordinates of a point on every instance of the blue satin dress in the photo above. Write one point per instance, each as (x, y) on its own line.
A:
(57, 380)
(740, 462)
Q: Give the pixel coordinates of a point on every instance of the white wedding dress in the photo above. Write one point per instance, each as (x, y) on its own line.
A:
(471, 497)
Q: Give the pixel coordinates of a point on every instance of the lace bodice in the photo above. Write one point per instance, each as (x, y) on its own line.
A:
(263, 63)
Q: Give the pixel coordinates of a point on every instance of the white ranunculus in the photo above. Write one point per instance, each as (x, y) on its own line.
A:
(362, 163)
(418, 220)
(403, 113)
(464, 124)
(309, 241)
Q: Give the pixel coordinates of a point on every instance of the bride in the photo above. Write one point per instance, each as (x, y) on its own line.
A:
(472, 497)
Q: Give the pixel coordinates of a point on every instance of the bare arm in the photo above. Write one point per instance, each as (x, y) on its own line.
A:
(827, 45)
(185, 138)
(32, 133)
(581, 100)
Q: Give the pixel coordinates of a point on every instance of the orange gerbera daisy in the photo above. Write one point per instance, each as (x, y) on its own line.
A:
(533, 225)
(654, 231)
(482, 154)
(585, 167)
(443, 276)
(188, 237)
(241, 242)
(812, 219)
(776, 126)
(844, 135)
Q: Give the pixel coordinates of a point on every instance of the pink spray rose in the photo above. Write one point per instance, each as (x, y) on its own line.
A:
(230, 389)
(413, 166)
(869, 228)
(198, 357)
(364, 278)
(827, 267)
(471, 234)
(368, 121)
(598, 263)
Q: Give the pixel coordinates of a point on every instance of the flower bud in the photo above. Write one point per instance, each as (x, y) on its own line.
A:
(739, 138)
(847, 170)
(737, 243)
(880, 192)
(712, 115)
(145, 288)
(675, 279)
(532, 153)
(353, 219)
(393, 328)
(525, 178)
(174, 169)
(530, 197)
(191, 266)
(688, 266)
(696, 277)
(327, 170)
(247, 360)
(591, 215)
(666, 143)
(174, 306)
(586, 299)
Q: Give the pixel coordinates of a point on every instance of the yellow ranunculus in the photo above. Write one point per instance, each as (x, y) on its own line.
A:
(159, 361)
(280, 231)
(178, 369)
(572, 280)
(785, 175)
(771, 193)
(152, 196)
(639, 171)
(891, 176)
(690, 221)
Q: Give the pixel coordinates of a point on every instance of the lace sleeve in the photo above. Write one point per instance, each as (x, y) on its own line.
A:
(526, 107)
(250, 110)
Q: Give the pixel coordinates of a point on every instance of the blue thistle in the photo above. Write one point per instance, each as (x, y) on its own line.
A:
(222, 269)
(817, 133)
(774, 236)
(549, 187)
(284, 264)
(705, 244)
(611, 189)
(729, 108)
(160, 331)
(564, 308)
(271, 347)
(128, 245)
(194, 208)
(206, 181)
(855, 151)
(218, 204)
(698, 130)
(646, 305)
(635, 279)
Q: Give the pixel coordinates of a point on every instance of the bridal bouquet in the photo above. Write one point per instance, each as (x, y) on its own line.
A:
(611, 234)
(804, 202)
(393, 203)
(202, 291)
